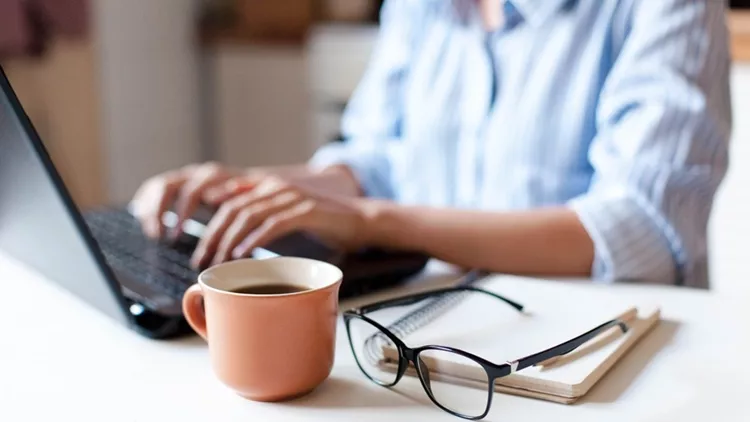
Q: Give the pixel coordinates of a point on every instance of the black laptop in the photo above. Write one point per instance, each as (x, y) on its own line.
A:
(102, 255)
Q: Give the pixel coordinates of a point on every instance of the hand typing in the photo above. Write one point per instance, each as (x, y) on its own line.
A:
(263, 210)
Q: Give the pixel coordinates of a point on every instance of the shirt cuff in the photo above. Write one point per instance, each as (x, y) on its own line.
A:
(369, 167)
(629, 244)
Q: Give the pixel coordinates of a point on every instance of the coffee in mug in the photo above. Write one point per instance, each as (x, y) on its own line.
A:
(269, 289)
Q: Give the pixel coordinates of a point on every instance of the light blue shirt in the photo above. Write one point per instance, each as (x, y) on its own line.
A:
(618, 109)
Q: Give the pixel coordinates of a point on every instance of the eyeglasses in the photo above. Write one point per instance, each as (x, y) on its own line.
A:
(384, 358)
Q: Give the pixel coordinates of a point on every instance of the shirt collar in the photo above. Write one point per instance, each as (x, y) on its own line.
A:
(537, 12)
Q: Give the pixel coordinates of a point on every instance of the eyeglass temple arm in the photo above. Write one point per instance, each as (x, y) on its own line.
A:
(418, 297)
(567, 347)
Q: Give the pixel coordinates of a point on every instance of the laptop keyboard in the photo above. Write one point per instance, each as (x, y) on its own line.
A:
(165, 268)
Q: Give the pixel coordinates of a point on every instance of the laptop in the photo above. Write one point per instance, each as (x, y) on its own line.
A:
(102, 256)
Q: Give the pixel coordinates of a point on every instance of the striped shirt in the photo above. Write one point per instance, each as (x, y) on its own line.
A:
(617, 109)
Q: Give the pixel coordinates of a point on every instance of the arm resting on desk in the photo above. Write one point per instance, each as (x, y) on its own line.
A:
(542, 242)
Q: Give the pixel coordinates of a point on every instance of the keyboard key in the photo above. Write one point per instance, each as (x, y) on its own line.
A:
(128, 251)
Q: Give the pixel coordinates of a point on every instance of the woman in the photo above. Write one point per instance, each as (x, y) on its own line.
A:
(555, 138)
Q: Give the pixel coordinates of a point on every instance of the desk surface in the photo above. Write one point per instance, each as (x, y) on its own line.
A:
(60, 359)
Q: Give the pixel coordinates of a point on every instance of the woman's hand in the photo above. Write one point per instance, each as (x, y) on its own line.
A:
(273, 207)
(214, 183)
(186, 188)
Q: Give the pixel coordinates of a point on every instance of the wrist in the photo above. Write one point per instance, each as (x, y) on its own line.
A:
(338, 179)
(378, 221)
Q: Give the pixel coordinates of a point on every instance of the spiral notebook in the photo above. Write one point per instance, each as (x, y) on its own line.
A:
(553, 315)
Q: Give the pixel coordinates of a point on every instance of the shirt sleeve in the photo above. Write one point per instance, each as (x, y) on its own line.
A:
(661, 151)
(372, 119)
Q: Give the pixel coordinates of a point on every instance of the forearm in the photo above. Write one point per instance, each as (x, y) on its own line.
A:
(540, 242)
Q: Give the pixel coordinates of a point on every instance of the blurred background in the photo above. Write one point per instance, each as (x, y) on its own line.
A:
(123, 89)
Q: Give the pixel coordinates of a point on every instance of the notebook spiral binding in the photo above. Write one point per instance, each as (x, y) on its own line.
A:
(425, 314)
(420, 317)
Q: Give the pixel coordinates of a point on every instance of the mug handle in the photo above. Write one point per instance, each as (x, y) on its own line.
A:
(192, 307)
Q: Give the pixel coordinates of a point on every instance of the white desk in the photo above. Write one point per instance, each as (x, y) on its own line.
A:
(61, 360)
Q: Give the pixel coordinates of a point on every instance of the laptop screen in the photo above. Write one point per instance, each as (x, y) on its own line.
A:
(39, 223)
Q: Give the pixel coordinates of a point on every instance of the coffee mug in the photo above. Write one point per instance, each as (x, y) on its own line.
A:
(277, 341)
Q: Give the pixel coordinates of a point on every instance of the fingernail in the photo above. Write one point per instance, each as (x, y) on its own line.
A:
(158, 230)
(197, 259)
(242, 249)
(150, 229)
(238, 252)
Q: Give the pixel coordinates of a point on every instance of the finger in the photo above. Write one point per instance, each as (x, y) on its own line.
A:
(296, 218)
(219, 224)
(190, 197)
(140, 211)
(249, 219)
(153, 226)
(264, 187)
(215, 195)
(227, 212)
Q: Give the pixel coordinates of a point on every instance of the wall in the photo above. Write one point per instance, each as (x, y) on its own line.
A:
(262, 104)
(59, 94)
(730, 222)
(149, 73)
(277, 104)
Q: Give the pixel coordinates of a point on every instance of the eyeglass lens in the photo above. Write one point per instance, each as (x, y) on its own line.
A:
(375, 352)
(378, 358)
(435, 365)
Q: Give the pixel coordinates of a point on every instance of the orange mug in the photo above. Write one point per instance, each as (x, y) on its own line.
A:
(270, 324)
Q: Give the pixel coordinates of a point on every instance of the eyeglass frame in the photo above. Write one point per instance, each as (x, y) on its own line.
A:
(493, 370)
